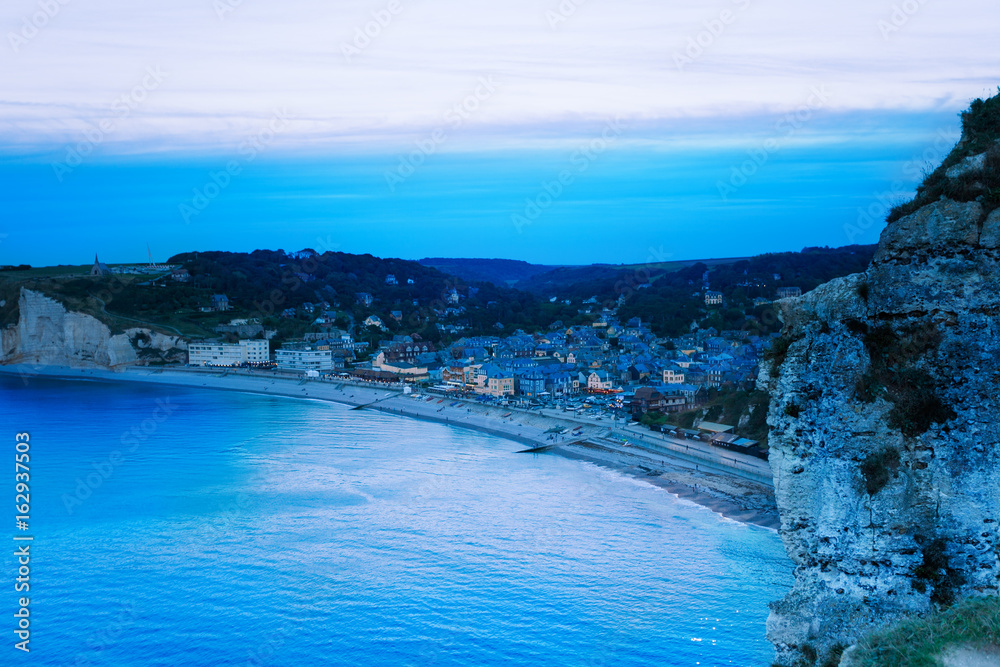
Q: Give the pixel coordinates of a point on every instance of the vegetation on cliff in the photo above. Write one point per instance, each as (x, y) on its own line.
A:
(920, 642)
(980, 134)
(895, 376)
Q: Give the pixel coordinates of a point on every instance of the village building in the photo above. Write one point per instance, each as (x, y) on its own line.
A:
(673, 375)
(649, 399)
(220, 302)
(305, 358)
(252, 352)
(714, 298)
(789, 292)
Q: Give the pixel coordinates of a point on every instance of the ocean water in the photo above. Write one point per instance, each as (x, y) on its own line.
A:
(194, 527)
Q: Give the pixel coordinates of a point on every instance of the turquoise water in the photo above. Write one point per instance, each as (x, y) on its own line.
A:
(251, 530)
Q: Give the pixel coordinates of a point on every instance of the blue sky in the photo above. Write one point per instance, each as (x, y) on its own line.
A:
(558, 132)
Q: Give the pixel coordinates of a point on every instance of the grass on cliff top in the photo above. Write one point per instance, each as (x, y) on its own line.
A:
(61, 271)
(918, 642)
(77, 293)
(980, 132)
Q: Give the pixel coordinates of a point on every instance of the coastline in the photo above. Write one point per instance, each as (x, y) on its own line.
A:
(726, 494)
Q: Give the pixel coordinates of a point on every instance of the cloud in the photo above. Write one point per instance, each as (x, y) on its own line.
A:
(384, 72)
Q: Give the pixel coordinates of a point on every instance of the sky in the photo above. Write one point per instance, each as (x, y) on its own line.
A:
(569, 131)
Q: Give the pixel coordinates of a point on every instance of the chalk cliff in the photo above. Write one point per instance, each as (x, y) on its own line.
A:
(47, 334)
(885, 443)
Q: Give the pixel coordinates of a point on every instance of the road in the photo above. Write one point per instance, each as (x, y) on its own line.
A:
(690, 450)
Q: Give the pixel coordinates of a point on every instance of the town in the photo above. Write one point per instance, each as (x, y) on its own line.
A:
(675, 349)
(607, 370)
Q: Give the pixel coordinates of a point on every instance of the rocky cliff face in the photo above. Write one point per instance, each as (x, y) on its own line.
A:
(885, 442)
(48, 334)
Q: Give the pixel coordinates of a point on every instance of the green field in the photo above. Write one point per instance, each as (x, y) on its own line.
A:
(60, 271)
(77, 290)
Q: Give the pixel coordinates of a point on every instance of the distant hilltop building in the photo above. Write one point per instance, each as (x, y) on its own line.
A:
(220, 302)
(99, 268)
(788, 292)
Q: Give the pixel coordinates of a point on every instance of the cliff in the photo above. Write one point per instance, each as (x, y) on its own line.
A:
(47, 334)
(885, 446)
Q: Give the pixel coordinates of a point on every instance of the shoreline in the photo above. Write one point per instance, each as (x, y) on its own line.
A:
(726, 494)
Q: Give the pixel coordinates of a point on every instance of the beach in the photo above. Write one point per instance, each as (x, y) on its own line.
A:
(727, 483)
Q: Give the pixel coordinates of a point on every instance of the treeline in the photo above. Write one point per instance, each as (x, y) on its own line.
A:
(265, 283)
(807, 269)
(272, 278)
(674, 302)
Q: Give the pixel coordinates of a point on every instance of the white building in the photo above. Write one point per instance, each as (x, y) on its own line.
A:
(224, 354)
(600, 380)
(305, 359)
(256, 351)
(214, 354)
(673, 376)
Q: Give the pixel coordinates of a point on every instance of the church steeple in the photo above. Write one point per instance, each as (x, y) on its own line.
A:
(99, 269)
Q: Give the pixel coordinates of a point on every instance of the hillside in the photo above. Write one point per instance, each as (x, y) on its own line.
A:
(672, 301)
(278, 287)
(594, 279)
(501, 272)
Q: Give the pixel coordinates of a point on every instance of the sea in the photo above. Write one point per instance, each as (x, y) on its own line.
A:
(177, 526)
